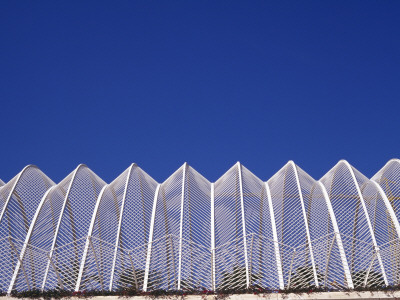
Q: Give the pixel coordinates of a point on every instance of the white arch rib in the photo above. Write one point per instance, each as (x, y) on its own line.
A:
(388, 207)
(246, 261)
(305, 221)
(87, 244)
(181, 225)
(275, 238)
(59, 223)
(368, 219)
(148, 257)
(27, 240)
(119, 226)
(396, 160)
(8, 200)
(13, 189)
(213, 237)
(338, 237)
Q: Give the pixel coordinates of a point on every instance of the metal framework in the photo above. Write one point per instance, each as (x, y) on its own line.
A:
(290, 231)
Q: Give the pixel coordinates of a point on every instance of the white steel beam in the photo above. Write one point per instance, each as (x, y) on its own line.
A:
(10, 195)
(246, 261)
(213, 283)
(335, 226)
(119, 226)
(13, 189)
(59, 224)
(27, 240)
(149, 246)
(16, 254)
(87, 244)
(368, 219)
(388, 207)
(181, 226)
(275, 238)
(305, 222)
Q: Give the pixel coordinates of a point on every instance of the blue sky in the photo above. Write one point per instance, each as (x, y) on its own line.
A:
(108, 83)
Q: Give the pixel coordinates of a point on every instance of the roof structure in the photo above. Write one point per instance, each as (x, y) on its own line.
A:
(339, 232)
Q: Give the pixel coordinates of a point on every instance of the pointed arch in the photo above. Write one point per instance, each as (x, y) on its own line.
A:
(59, 223)
(231, 260)
(388, 207)
(18, 210)
(342, 184)
(117, 240)
(339, 242)
(388, 178)
(73, 219)
(17, 180)
(87, 244)
(27, 240)
(368, 220)
(305, 221)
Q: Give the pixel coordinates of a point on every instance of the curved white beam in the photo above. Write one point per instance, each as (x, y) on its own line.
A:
(181, 225)
(59, 223)
(10, 195)
(148, 256)
(305, 221)
(119, 226)
(13, 189)
(27, 240)
(275, 238)
(388, 207)
(368, 219)
(246, 261)
(339, 242)
(213, 283)
(389, 162)
(87, 244)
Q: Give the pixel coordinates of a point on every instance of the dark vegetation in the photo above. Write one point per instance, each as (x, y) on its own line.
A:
(130, 284)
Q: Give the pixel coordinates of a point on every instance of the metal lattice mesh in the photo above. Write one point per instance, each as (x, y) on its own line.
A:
(260, 243)
(196, 255)
(72, 228)
(42, 236)
(325, 247)
(289, 217)
(229, 238)
(21, 199)
(98, 257)
(165, 246)
(351, 217)
(290, 232)
(134, 234)
(389, 180)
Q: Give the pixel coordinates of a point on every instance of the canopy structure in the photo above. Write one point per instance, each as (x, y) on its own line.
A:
(290, 231)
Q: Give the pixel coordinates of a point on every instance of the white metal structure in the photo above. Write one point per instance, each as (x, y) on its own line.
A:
(290, 231)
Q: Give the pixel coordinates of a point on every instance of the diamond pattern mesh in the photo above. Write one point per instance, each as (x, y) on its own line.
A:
(289, 232)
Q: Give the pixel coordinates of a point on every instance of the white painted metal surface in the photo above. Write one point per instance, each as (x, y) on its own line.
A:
(246, 259)
(213, 232)
(148, 257)
(275, 237)
(338, 237)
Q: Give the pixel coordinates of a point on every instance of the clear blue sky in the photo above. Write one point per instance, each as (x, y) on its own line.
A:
(108, 83)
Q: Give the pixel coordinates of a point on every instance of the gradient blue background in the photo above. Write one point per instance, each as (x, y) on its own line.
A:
(108, 83)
